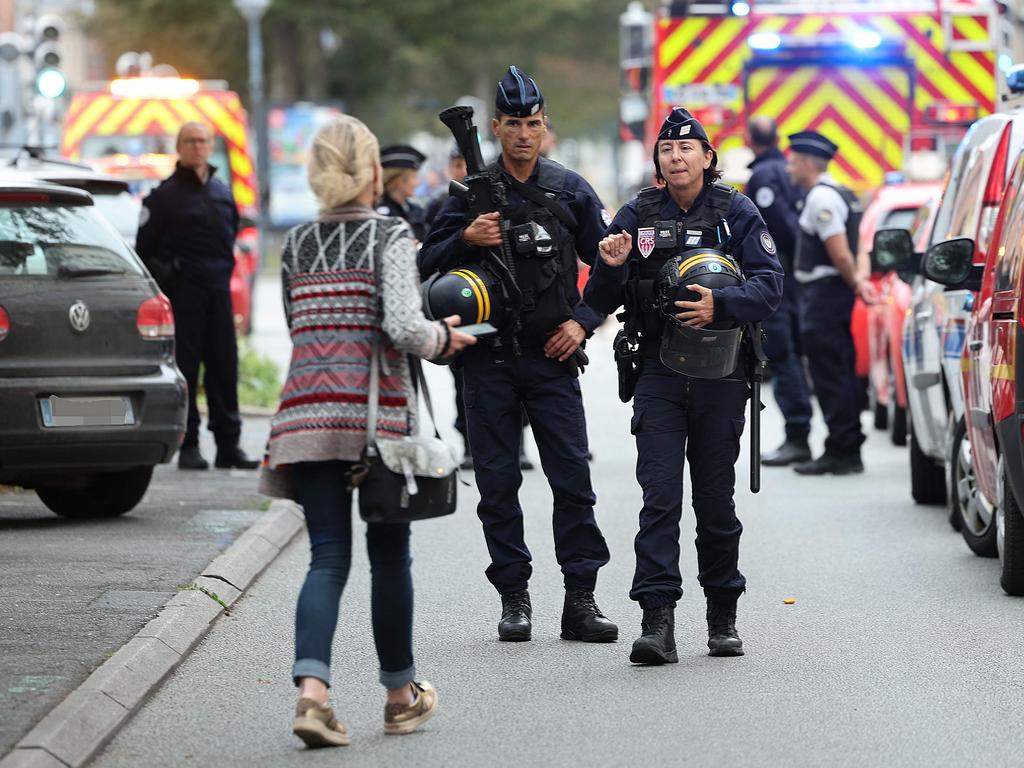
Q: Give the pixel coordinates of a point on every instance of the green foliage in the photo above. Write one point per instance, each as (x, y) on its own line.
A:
(259, 379)
(400, 61)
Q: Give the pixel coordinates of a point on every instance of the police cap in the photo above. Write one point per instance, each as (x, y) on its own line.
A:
(401, 156)
(813, 143)
(679, 125)
(518, 94)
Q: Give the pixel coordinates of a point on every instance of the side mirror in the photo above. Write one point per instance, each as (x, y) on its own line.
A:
(949, 263)
(892, 250)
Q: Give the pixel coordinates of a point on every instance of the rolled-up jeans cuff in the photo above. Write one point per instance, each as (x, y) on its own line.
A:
(311, 668)
(398, 679)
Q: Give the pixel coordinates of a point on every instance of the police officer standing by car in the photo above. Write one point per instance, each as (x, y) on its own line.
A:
(558, 212)
(683, 239)
(776, 198)
(186, 238)
(826, 269)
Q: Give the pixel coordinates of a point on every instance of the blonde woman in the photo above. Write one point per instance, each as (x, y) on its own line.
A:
(349, 279)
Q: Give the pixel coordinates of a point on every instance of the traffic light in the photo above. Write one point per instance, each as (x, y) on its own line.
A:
(47, 56)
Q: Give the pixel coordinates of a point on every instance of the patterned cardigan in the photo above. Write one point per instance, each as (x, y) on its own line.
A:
(346, 278)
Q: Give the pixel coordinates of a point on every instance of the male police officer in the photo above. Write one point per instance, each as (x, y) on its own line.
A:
(829, 281)
(186, 238)
(534, 370)
(679, 416)
(775, 197)
(401, 164)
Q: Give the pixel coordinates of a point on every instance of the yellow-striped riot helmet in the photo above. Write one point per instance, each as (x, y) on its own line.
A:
(711, 352)
(471, 292)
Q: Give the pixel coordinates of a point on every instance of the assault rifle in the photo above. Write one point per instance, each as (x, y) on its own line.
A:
(485, 192)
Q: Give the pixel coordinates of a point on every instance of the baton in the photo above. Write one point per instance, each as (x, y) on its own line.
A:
(755, 431)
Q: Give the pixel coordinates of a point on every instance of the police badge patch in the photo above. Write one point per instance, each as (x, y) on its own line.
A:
(825, 216)
(764, 197)
(645, 241)
(767, 243)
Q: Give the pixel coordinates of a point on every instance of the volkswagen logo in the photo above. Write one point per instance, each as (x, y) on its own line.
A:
(79, 316)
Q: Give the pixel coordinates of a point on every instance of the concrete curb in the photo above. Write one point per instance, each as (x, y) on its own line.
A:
(81, 725)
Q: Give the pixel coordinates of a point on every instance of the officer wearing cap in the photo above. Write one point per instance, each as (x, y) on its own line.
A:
(401, 164)
(776, 198)
(829, 281)
(561, 209)
(678, 416)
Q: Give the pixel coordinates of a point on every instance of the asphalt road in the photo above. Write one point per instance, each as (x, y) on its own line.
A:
(900, 649)
(74, 591)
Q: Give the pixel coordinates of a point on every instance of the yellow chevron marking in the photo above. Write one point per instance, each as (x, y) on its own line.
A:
(810, 25)
(682, 37)
(1002, 372)
(226, 123)
(703, 54)
(240, 163)
(244, 195)
(112, 122)
(85, 120)
(982, 77)
(187, 111)
(152, 111)
(969, 28)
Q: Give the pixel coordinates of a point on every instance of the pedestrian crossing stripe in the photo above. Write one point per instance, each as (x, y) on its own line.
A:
(699, 62)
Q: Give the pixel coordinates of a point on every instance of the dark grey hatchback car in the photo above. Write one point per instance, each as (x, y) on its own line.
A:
(90, 397)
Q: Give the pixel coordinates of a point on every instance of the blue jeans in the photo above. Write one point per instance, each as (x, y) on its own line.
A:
(321, 489)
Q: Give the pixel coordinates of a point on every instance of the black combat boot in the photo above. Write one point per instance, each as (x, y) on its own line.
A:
(516, 612)
(831, 464)
(189, 457)
(722, 637)
(234, 458)
(583, 620)
(793, 451)
(657, 643)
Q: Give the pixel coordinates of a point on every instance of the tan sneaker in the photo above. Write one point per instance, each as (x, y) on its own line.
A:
(316, 725)
(406, 718)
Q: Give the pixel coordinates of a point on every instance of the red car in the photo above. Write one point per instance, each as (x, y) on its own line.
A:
(877, 330)
(992, 383)
(894, 206)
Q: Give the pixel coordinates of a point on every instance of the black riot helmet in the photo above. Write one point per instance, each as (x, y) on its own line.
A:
(471, 292)
(711, 352)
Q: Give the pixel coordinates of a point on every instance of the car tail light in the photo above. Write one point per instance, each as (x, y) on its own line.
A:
(5, 324)
(993, 195)
(155, 319)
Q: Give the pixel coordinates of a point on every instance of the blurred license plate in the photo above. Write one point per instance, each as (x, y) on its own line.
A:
(86, 411)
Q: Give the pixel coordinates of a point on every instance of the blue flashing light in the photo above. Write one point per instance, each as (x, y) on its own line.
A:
(741, 9)
(1015, 79)
(866, 39)
(764, 41)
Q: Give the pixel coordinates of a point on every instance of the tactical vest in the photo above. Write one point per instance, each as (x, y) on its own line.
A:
(700, 227)
(546, 276)
(810, 250)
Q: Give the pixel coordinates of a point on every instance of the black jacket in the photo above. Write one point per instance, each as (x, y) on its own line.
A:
(187, 231)
(776, 198)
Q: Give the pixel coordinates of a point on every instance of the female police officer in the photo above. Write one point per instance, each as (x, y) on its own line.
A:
(677, 415)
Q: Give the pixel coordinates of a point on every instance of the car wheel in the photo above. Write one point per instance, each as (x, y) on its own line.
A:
(953, 438)
(1011, 541)
(927, 479)
(898, 434)
(977, 516)
(881, 416)
(107, 494)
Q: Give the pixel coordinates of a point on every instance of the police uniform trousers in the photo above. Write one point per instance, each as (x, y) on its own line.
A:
(204, 333)
(676, 419)
(825, 309)
(783, 347)
(497, 387)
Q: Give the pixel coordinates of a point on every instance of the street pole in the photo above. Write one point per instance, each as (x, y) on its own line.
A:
(253, 11)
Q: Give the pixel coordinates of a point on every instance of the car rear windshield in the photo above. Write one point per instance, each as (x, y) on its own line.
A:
(61, 241)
